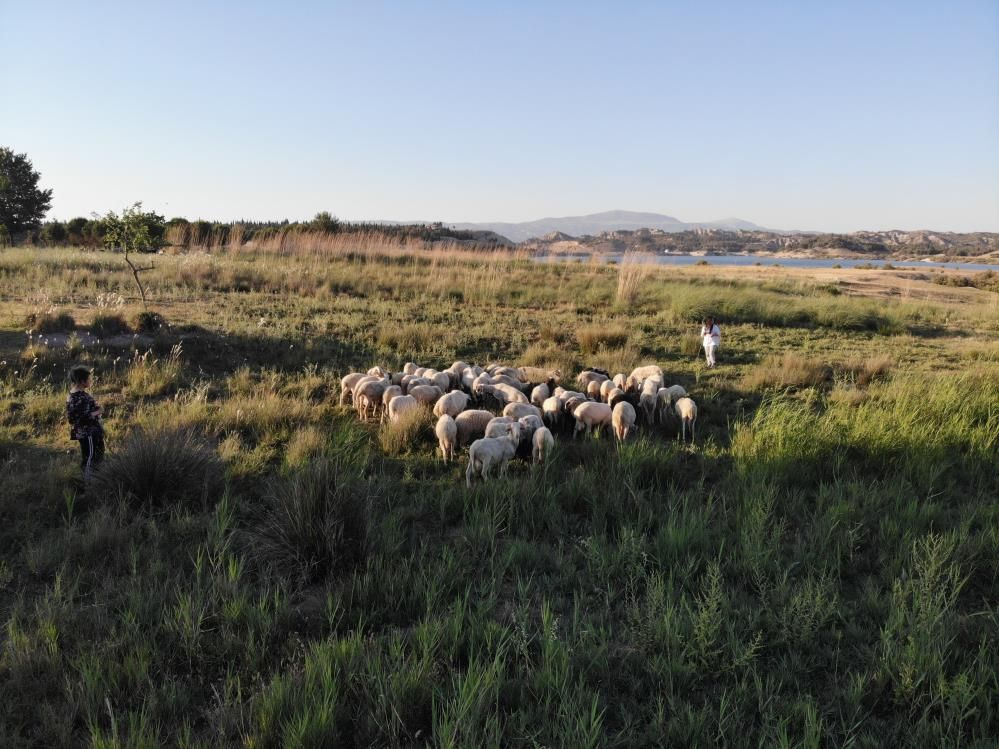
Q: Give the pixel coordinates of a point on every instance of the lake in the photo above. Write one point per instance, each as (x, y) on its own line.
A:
(786, 262)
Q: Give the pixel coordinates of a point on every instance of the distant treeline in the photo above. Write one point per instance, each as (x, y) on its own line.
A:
(181, 232)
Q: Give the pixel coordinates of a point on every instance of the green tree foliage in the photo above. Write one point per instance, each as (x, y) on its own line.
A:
(54, 232)
(22, 203)
(325, 221)
(134, 231)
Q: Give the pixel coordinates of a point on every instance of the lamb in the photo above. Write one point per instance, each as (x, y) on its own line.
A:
(499, 425)
(665, 398)
(392, 391)
(543, 443)
(647, 405)
(516, 410)
(605, 387)
(615, 396)
(441, 380)
(452, 403)
(492, 451)
(368, 396)
(587, 376)
(426, 394)
(593, 390)
(399, 405)
(623, 420)
(471, 425)
(551, 411)
(347, 383)
(591, 415)
(620, 379)
(447, 436)
(539, 375)
(649, 370)
(539, 394)
(686, 409)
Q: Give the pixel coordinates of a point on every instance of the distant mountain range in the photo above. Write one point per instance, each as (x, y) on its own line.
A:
(598, 223)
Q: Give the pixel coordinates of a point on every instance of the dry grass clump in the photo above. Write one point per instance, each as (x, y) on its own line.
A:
(620, 359)
(151, 377)
(159, 467)
(305, 444)
(50, 322)
(413, 427)
(596, 336)
(787, 370)
(631, 272)
(865, 371)
(107, 324)
(406, 337)
(148, 322)
(315, 522)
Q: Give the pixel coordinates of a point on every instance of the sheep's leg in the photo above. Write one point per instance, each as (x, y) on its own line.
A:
(468, 472)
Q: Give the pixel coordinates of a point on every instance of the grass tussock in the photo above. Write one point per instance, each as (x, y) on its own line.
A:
(592, 338)
(410, 430)
(50, 322)
(107, 324)
(415, 337)
(161, 468)
(314, 522)
(787, 370)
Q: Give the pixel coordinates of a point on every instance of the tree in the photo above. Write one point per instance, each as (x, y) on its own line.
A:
(22, 204)
(134, 231)
(324, 221)
(54, 232)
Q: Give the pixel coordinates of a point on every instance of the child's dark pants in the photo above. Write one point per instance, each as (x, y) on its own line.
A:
(92, 450)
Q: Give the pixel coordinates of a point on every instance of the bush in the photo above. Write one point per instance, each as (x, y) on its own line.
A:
(50, 322)
(314, 523)
(148, 322)
(108, 324)
(160, 467)
(592, 337)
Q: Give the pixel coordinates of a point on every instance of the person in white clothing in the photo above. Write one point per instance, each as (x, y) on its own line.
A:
(711, 335)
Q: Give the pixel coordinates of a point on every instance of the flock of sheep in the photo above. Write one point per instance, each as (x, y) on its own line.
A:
(532, 402)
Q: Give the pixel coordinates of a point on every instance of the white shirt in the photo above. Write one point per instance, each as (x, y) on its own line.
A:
(712, 337)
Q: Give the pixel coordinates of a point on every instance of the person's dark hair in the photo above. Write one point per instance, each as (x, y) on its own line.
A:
(79, 375)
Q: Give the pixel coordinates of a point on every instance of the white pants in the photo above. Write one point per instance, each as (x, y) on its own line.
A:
(709, 353)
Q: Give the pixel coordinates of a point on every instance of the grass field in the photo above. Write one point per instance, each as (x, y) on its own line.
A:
(257, 568)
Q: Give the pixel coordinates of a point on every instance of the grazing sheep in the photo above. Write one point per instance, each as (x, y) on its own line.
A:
(605, 387)
(441, 380)
(410, 367)
(426, 394)
(540, 394)
(472, 425)
(528, 426)
(505, 393)
(573, 403)
(584, 378)
(447, 436)
(468, 378)
(455, 372)
(592, 415)
(647, 405)
(499, 425)
(649, 370)
(543, 443)
(392, 391)
(368, 396)
(566, 395)
(397, 378)
(620, 379)
(516, 410)
(537, 375)
(399, 405)
(347, 383)
(512, 372)
(593, 390)
(551, 411)
(484, 379)
(623, 420)
(452, 403)
(491, 451)
(665, 398)
(686, 409)
(615, 396)
(411, 381)
(378, 372)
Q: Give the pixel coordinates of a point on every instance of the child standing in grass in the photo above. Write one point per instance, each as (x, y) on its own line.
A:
(711, 336)
(85, 420)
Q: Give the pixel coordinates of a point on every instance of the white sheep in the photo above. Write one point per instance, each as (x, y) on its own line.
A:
(591, 415)
(368, 396)
(539, 394)
(593, 390)
(542, 445)
(392, 391)
(491, 451)
(400, 405)
(537, 375)
(426, 394)
(623, 420)
(647, 405)
(644, 372)
(505, 393)
(605, 387)
(441, 380)
(452, 403)
(410, 367)
(587, 376)
(551, 411)
(347, 383)
(665, 398)
(499, 425)
(686, 409)
(620, 379)
(472, 425)
(516, 410)
(378, 372)
(447, 436)
(615, 396)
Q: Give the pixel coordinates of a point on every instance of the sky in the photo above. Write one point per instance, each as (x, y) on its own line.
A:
(834, 116)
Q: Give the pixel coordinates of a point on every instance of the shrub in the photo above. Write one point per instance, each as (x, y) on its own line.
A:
(161, 466)
(314, 523)
(50, 322)
(106, 324)
(412, 427)
(592, 337)
(787, 371)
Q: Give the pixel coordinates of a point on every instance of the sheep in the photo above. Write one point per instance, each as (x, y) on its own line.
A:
(492, 451)
(452, 403)
(368, 396)
(347, 383)
(399, 405)
(482, 380)
(542, 443)
(378, 372)
(455, 372)
(573, 403)
(539, 375)
(447, 436)
(471, 425)
(505, 393)
(686, 409)
(623, 420)
(512, 372)
(468, 378)
(566, 395)
(649, 370)
(528, 426)
(551, 411)
(615, 396)
(587, 376)
(499, 425)
(441, 380)
(392, 391)
(647, 405)
(516, 410)
(619, 380)
(397, 378)
(539, 394)
(410, 367)
(411, 381)
(605, 387)
(591, 415)
(665, 397)
(426, 394)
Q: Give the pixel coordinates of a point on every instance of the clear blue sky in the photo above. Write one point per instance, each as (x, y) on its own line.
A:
(832, 116)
